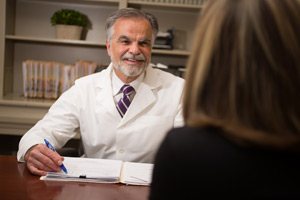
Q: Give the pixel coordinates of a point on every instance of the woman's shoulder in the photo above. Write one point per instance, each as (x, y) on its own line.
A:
(195, 136)
(193, 132)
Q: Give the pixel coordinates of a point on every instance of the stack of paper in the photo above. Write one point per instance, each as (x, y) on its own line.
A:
(103, 171)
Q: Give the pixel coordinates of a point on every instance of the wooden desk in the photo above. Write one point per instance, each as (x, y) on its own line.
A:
(16, 182)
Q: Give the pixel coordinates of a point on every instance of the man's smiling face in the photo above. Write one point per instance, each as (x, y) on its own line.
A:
(130, 47)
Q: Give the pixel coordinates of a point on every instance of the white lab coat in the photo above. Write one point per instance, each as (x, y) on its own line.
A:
(89, 106)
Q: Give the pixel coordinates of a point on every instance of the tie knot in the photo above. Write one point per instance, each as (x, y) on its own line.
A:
(127, 89)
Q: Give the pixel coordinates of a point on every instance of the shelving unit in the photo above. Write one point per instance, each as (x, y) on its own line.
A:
(26, 33)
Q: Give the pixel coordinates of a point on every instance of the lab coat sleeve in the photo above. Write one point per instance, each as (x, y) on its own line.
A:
(58, 125)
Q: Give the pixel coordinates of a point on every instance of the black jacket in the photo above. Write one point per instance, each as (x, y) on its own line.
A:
(200, 163)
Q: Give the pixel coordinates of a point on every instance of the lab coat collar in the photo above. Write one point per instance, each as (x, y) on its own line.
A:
(145, 95)
(104, 93)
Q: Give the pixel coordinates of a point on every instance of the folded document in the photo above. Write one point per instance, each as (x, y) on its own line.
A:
(103, 171)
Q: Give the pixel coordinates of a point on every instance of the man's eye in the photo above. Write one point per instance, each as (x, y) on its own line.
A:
(144, 43)
(124, 41)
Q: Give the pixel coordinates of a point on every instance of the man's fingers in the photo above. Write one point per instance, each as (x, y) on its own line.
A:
(38, 168)
(54, 156)
(36, 171)
(41, 165)
(40, 160)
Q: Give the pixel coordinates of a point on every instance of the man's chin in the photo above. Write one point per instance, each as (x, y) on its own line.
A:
(135, 70)
(131, 73)
(134, 65)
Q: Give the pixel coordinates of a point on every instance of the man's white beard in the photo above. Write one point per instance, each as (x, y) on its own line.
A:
(130, 71)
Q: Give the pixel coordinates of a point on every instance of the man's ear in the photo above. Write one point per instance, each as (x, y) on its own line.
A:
(107, 47)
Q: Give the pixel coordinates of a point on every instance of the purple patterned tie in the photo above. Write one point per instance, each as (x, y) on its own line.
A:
(124, 102)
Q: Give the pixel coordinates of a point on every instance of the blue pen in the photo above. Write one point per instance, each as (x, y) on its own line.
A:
(53, 149)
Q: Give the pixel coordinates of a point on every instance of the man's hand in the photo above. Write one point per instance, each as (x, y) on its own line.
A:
(40, 160)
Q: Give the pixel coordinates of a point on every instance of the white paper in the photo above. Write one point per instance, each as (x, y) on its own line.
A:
(137, 173)
(88, 170)
(103, 171)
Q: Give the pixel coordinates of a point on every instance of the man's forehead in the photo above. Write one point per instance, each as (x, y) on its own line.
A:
(131, 20)
(130, 29)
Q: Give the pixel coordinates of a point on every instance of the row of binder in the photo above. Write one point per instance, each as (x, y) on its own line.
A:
(49, 79)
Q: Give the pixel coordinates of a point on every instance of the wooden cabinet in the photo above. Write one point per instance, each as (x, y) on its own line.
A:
(26, 33)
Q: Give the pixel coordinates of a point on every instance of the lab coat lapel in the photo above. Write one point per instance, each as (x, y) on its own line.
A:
(144, 97)
(104, 96)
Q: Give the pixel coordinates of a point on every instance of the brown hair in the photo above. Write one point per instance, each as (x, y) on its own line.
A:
(244, 72)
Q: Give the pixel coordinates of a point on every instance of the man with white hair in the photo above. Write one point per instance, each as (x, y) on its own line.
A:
(122, 112)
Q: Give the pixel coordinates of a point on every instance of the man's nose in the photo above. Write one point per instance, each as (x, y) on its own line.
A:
(134, 49)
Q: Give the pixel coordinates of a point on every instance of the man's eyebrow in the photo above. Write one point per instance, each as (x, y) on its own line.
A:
(145, 40)
(122, 37)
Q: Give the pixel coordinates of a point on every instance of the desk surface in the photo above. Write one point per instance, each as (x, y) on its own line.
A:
(16, 182)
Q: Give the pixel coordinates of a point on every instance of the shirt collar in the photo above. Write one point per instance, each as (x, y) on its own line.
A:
(117, 83)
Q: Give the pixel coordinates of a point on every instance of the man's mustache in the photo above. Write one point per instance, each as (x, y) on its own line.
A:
(139, 57)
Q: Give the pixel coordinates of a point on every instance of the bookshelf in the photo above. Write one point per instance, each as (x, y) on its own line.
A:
(26, 33)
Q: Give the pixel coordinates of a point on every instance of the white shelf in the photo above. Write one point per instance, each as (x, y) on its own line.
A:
(174, 52)
(77, 1)
(103, 1)
(18, 100)
(170, 5)
(54, 41)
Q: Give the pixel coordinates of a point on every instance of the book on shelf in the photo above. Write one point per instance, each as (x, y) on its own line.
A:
(40, 79)
(96, 170)
(67, 77)
(164, 40)
(26, 77)
(52, 78)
